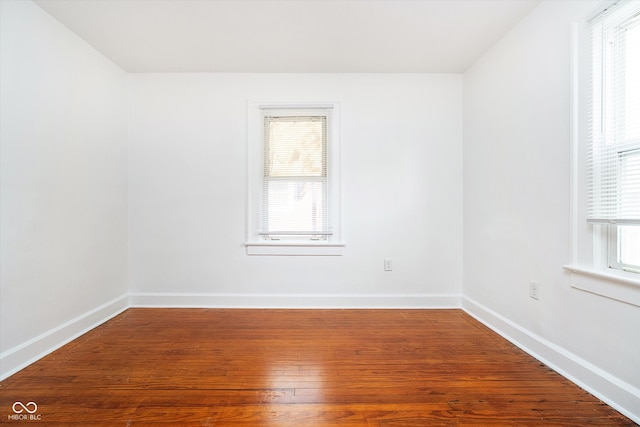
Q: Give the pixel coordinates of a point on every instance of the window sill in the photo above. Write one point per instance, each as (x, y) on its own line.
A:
(613, 284)
(295, 248)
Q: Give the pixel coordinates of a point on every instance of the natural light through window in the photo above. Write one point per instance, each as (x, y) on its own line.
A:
(614, 132)
(295, 177)
(628, 248)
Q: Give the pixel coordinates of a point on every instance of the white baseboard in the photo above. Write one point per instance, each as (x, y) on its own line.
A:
(295, 300)
(618, 394)
(21, 356)
(615, 392)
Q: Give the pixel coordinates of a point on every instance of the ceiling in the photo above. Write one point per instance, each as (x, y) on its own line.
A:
(298, 36)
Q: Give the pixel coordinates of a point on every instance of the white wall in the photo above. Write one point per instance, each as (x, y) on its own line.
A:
(63, 184)
(401, 141)
(517, 209)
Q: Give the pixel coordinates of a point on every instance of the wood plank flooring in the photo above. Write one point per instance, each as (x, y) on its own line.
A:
(237, 367)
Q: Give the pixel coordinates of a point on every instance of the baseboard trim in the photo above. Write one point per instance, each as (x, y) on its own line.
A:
(612, 390)
(22, 355)
(301, 301)
(618, 394)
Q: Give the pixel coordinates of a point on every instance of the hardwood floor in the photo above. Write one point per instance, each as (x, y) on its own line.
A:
(213, 367)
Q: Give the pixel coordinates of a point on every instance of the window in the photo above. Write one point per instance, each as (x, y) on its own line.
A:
(614, 132)
(294, 194)
(294, 180)
(624, 247)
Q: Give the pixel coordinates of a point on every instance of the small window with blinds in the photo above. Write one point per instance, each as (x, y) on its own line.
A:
(294, 179)
(295, 182)
(614, 131)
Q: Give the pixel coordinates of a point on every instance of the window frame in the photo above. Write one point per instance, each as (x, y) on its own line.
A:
(588, 262)
(279, 115)
(606, 112)
(614, 251)
(256, 242)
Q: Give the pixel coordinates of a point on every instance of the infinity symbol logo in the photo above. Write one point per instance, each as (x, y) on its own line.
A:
(30, 407)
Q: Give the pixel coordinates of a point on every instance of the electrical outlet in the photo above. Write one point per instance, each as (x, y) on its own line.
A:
(533, 289)
(388, 264)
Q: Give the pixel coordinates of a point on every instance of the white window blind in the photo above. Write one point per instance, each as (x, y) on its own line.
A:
(614, 116)
(295, 181)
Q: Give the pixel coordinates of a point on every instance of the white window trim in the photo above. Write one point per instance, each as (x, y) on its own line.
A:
(614, 252)
(589, 268)
(254, 244)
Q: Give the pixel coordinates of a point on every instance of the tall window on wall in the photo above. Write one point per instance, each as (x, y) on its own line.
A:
(294, 187)
(614, 132)
(294, 190)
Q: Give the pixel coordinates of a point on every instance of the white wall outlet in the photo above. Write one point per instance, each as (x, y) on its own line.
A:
(388, 264)
(533, 289)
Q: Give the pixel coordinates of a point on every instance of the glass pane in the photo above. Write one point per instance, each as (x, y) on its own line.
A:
(629, 238)
(296, 147)
(629, 187)
(632, 81)
(295, 206)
